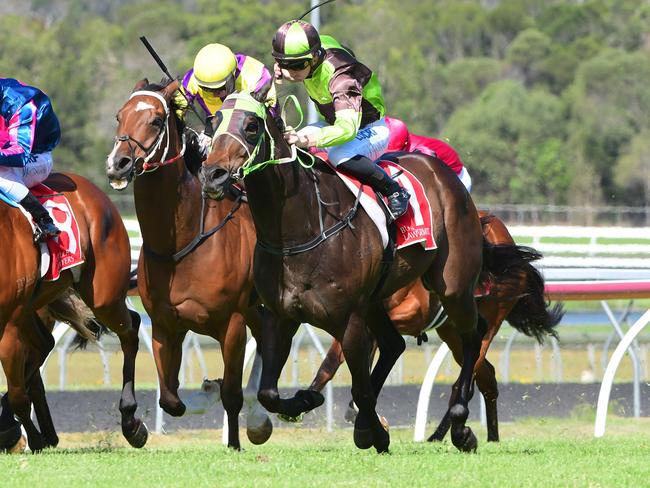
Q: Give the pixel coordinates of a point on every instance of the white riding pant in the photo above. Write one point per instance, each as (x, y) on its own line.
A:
(371, 141)
(16, 181)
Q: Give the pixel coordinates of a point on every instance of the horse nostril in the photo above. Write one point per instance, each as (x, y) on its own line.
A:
(123, 162)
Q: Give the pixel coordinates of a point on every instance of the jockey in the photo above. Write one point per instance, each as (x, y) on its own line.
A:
(29, 130)
(402, 140)
(217, 73)
(348, 96)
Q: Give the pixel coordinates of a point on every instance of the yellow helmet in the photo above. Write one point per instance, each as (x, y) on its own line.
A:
(214, 65)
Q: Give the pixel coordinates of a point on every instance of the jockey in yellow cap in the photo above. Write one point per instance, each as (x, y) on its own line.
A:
(217, 73)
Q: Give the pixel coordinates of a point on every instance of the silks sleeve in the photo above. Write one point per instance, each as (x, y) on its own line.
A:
(347, 97)
(18, 137)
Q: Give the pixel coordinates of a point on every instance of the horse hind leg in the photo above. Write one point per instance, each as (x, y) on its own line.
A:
(42, 410)
(487, 384)
(10, 432)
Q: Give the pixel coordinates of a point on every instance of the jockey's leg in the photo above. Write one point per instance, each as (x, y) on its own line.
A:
(369, 173)
(17, 184)
(356, 158)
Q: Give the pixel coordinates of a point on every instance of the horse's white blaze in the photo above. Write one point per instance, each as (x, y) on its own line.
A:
(143, 106)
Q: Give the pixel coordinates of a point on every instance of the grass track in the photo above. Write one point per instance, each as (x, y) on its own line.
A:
(534, 453)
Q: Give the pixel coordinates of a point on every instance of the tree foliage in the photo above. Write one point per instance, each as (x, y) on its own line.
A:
(546, 100)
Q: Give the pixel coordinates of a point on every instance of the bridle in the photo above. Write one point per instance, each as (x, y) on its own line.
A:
(150, 152)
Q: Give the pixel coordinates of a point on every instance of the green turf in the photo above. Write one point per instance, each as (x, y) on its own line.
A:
(533, 453)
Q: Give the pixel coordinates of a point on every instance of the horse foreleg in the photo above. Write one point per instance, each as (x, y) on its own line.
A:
(258, 424)
(167, 354)
(357, 343)
(233, 346)
(42, 410)
(10, 432)
(275, 347)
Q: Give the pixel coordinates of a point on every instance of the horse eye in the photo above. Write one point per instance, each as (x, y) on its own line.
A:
(157, 122)
(252, 127)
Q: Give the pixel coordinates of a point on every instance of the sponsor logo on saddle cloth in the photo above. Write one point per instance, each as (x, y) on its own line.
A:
(63, 252)
(415, 226)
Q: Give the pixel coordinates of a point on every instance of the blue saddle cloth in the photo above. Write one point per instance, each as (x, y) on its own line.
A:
(7, 199)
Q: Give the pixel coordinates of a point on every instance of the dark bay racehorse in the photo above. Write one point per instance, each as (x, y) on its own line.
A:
(102, 285)
(188, 278)
(414, 308)
(321, 260)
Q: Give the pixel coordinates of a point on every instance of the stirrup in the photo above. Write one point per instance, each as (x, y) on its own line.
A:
(398, 203)
(48, 231)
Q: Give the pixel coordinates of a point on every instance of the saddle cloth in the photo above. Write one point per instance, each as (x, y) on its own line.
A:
(415, 226)
(63, 252)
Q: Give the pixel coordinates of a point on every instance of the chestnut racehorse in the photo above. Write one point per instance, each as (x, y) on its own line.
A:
(195, 268)
(101, 283)
(413, 310)
(320, 259)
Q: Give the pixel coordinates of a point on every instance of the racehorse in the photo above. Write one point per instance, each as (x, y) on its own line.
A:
(320, 259)
(102, 284)
(188, 278)
(414, 311)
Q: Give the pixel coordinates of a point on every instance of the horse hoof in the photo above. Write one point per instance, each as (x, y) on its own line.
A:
(311, 399)
(261, 434)
(289, 419)
(10, 437)
(467, 441)
(19, 447)
(175, 409)
(363, 438)
(139, 438)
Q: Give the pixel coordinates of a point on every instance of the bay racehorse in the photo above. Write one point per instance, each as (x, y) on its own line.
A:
(101, 283)
(414, 311)
(320, 259)
(195, 265)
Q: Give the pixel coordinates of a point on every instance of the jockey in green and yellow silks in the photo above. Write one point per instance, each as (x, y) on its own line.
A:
(348, 96)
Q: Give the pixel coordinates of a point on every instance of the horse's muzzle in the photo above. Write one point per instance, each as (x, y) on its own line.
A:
(119, 170)
(214, 181)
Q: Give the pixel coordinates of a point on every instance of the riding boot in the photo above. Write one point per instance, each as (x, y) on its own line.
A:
(371, 174)
(45, 228)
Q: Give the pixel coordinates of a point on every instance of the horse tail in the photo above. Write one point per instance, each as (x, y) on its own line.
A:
(71, 309)
(511, 272)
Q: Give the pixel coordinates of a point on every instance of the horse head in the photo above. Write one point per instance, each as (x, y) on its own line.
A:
(245, 139)
(145, 133)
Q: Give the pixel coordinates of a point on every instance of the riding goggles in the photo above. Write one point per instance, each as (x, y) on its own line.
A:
(293, 64)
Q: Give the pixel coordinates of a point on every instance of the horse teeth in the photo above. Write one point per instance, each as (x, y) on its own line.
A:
(120, 184)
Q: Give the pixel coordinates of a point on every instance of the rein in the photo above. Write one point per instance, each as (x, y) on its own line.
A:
(250, 165)
(200, 237)
(149, 167)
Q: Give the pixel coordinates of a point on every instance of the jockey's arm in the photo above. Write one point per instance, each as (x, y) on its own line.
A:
(347, 97)
(18, 137)
(180, 101)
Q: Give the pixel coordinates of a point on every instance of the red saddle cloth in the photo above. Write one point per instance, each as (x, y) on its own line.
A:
(64, 250)
(415, 226)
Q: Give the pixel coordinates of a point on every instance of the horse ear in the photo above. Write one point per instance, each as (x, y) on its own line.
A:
(169, 90)
(141, 84)
(261, 94)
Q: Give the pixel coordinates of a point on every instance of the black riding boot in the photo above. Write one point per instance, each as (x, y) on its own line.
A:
(369, 173)
(44, 223)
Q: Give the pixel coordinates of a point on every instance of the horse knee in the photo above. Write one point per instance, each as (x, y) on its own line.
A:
(270, 399)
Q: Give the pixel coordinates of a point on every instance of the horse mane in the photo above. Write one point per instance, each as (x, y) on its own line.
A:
(192, 155)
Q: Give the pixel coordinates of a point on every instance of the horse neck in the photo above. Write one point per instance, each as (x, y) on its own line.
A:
(284, 205)
(168, 203)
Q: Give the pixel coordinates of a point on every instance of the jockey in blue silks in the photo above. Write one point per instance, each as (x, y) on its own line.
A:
(29, 131)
